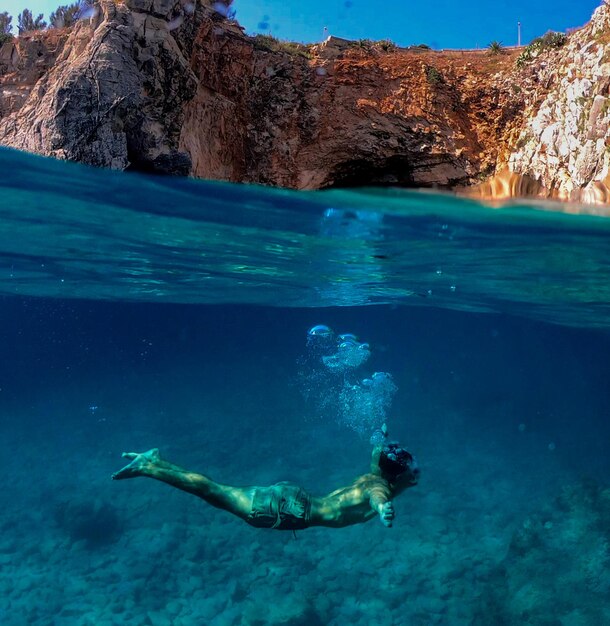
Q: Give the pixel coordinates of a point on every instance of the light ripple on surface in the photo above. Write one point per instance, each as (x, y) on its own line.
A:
(71, 231)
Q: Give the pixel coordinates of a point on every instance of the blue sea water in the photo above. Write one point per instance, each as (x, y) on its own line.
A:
(138, 312)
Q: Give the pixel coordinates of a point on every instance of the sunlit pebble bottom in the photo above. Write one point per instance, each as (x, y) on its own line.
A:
(179, 563)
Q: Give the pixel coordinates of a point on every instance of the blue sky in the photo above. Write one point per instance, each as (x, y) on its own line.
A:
(440, 23)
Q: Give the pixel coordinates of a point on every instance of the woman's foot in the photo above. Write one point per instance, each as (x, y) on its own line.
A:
(141, 464)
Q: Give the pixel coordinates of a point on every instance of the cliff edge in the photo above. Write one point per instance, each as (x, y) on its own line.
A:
(564, 144)
(162, 86)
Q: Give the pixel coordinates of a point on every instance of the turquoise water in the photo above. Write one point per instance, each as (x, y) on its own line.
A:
(139, 312)
(101, 235)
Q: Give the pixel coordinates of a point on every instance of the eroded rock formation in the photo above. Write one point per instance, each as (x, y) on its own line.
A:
(157, 86)
(563, 148)
(112, 95)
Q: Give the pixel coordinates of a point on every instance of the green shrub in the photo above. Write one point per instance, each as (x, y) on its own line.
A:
(524, 58)
(495, 47)
(387, 45)
(548, 41)
(552, 40)
(367, 44)
(273, 44)
(434, 76)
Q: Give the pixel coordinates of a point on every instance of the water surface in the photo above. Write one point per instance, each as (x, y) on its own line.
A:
(73, 232)
(139, 312)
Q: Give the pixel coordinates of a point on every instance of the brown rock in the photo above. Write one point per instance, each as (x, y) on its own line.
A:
(147, 85)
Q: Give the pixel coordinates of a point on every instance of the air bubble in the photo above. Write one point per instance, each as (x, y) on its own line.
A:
(328, 378)
(320, 331)
(377, 437)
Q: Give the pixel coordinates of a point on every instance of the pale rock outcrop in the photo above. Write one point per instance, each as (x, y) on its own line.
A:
(565, 142)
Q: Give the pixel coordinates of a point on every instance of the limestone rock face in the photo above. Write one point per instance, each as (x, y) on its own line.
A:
(23, 62)
(564, 144)
(345, 116)
(175, 87)
(109, 97)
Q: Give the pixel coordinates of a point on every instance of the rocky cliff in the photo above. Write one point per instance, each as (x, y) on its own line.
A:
(174, 87)
(563, 147)
(109, 93)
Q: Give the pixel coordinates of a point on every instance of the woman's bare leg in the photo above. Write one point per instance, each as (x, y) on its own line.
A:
(236, 500)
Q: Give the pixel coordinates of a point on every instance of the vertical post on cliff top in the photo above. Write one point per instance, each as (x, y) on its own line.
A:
(325, 33)
(519, 34)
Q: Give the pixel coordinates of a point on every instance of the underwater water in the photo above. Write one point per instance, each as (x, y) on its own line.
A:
(140, 312)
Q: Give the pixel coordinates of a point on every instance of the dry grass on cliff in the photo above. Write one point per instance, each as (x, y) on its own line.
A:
(273, 44)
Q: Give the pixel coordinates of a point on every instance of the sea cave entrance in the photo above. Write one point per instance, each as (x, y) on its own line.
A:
(394, 171)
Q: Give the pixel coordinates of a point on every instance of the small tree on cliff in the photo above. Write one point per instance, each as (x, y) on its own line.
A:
(495, 47)
(26, 22)
(5, 27)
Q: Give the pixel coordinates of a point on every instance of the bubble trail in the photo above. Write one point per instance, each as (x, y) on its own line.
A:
(328, 379)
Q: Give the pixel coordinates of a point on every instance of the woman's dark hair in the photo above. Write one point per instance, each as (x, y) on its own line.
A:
(394, 460)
